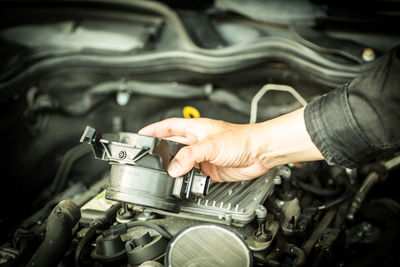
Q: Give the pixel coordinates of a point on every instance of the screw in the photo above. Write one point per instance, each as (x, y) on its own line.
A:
(285, 172)
(228, 219)
(261, 212)
(208, 89)
(366, 227)
(123, 98)
(122, 154)
(368, 55)
(147, 213)
(277, 180)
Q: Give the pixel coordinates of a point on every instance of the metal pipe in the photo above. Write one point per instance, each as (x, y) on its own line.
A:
(369, 182)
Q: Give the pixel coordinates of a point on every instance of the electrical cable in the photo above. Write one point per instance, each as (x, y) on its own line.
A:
(335, 201)
(87, 238)
(331, 203)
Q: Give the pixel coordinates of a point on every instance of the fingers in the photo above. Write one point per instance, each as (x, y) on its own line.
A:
(220, 148)
(179, 139)
(212, 171)
(167, 128)
(188, 157)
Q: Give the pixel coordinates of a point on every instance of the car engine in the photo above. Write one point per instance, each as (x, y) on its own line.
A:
(79, 79)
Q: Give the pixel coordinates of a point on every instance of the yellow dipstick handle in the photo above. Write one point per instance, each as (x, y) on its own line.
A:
(190, 112)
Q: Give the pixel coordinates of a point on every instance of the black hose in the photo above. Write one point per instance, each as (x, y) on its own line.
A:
(334, 202)
(70, 157)
(319, 191)
(59, 226)
(331, 203)
(300, 255)
(90, 234)
(318, 231)
(63, 171)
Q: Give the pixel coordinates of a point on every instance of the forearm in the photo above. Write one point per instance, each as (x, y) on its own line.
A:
(283, 140)
(359, 120)
(234, 152)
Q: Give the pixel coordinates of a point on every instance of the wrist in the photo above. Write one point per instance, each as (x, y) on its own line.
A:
(283, 140)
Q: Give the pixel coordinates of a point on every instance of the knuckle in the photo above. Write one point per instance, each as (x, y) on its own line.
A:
(172, 121)
(186, 153)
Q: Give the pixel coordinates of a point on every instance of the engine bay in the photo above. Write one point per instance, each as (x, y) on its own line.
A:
(117, 66)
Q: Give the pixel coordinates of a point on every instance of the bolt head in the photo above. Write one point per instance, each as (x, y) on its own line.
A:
(122, 154)
(123, 98)
(368, 55)
(277, 180)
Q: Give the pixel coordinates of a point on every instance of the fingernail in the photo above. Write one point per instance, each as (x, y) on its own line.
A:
(174, 169)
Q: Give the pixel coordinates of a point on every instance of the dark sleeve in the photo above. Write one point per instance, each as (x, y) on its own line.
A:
(361, 119)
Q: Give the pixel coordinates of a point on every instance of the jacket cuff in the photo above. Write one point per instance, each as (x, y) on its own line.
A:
(334, 131)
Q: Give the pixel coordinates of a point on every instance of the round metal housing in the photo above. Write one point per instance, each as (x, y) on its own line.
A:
(139, 170)
(207, 245)
(141, 186)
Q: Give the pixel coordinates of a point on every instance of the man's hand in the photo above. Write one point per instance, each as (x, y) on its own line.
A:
(234, 152)
(223, 150)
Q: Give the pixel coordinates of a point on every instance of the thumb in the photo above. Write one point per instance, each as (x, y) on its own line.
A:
(188, 156)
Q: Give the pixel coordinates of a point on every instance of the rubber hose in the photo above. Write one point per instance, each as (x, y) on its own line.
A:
(319, 191)
(59, 226)
(300, 257)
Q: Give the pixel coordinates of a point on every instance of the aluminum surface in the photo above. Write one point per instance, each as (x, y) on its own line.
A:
(207, 245)
(233, 201)
(229, 203)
